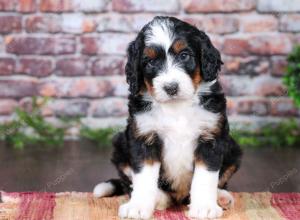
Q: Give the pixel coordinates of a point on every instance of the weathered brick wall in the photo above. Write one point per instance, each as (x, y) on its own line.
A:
(74, 51)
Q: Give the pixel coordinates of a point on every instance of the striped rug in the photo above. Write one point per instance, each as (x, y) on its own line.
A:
(82, 206)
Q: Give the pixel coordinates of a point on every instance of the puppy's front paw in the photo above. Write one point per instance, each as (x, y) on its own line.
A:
(136, 210)
(205, 211)
(225, 199)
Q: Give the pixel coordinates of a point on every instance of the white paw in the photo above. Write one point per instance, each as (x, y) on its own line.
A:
(163, 200)
(136, 210)
(205, 211)
(225, 199)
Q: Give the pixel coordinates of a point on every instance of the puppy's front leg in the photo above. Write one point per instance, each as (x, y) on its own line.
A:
(143, 197)
(204, 193)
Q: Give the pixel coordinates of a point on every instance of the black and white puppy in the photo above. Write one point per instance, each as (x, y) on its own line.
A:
(176, 146)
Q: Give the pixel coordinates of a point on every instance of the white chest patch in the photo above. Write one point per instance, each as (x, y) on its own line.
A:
(178, 125)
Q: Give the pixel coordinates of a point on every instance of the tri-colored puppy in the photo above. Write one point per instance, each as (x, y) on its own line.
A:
(176, 146)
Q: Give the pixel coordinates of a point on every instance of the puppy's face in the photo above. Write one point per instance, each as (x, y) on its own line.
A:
(169, 60)
(169, 64)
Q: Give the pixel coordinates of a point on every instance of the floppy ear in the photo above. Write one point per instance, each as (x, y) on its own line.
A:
(210, 58)
(134, 75)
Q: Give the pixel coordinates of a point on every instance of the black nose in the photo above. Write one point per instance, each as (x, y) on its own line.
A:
(171, 88)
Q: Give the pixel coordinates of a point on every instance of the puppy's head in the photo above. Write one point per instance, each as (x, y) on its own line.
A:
(169, 59)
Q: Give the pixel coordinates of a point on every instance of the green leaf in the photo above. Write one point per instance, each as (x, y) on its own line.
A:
(292, 77)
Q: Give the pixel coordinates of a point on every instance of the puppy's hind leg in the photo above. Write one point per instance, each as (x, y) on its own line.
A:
(163, 200)
(110, 188)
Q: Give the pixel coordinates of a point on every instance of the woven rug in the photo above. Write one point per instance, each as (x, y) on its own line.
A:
(82, 206)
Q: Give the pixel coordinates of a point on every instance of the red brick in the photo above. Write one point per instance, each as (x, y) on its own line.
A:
(69, 108)
(139, 20)
(278, 6)
(296, 39)
(89, 45)
(108, 65)
(7, 66)
(72, 5)
(38, 23)
(77, 23)
(270, 44)
(283, 107)
(7, 5)
(258, 23)
(122, 22)
(26, 6)
(231, 106)
(259, 107)
(56, 5)
(88, 25)
(10, 23)
(115, 22)
(7, 106)
(40, 45)
(72, 67)
(290, 23)
(18, 88)
(263, 85)
(119, 85)
(26, 105)
(217, 41)
(245, 65)
(92, 5)
(170, 6)
(217, 24)
(76, 87)
(106, 43)
(194, 6)
(114, 43)
(279, 65)
(109, 107)
(268, 86)
(236, 85)
(35, 67)
(236, 46)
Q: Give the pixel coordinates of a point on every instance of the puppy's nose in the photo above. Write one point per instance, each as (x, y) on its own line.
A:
(171, 88)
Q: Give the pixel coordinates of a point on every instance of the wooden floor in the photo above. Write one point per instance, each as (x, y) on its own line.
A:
(78, 166)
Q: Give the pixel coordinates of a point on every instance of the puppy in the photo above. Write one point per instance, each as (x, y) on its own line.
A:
(176, 147)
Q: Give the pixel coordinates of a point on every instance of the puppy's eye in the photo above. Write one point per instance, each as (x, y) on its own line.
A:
(184, 56)
(151, 63)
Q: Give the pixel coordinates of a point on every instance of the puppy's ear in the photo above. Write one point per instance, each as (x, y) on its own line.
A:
(134, 75)
(210, 58)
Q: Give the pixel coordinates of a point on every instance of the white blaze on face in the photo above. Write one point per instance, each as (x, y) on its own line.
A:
(160, 34)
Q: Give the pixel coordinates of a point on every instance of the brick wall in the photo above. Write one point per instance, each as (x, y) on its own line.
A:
(74, 51)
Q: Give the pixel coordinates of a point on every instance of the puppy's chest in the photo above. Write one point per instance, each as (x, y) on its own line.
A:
(178, 127)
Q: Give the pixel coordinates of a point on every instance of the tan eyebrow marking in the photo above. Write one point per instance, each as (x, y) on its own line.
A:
(149, 86)
(197, 77)
(178, 46)
(150, 52)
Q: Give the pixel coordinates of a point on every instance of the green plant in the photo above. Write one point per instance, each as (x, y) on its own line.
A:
(30, 127)
(292, 77)
(100, 136)
(283, 134)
